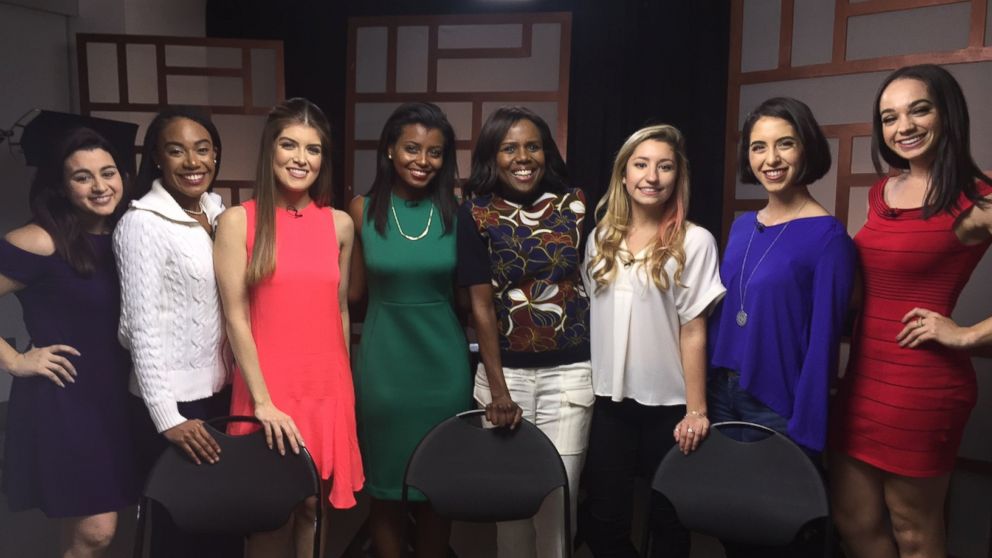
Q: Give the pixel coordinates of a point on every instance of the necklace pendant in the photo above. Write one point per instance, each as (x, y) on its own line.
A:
(741, 318)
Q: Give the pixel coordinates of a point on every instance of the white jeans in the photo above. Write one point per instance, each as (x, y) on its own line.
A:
(559, 401)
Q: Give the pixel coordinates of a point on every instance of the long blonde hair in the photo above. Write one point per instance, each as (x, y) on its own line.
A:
(614, 214)
(283, 115)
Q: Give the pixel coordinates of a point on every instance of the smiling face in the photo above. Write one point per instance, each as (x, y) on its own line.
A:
(651, 173)
(296, 157)
(187, 157)
(910, 122)
(93, 182)
(775, 153)
(417, 156)
(520, 158)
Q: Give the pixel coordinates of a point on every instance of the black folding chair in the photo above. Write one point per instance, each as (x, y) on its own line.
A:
(251, 489)
(476, 474)
(758, 492)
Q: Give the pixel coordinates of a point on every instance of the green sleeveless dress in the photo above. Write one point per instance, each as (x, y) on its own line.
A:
(411, 370)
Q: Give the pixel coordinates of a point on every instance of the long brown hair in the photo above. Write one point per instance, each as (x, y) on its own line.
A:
(614, 214)
(293, 111)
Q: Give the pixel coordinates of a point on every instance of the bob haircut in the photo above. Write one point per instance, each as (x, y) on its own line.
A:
(287, 113)
(50, 205)
(816, 150)
(953, 172)
(148, 172)
(441, 190)
(485, 172)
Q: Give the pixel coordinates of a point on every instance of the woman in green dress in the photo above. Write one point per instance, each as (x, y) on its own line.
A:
(411, 369)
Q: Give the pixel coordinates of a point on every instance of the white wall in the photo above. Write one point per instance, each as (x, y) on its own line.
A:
(37, 70)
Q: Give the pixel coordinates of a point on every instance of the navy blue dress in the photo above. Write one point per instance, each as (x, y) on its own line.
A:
(69, 451)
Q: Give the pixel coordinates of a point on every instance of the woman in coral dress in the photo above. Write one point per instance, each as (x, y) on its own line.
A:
(282, 266)
(910, 385)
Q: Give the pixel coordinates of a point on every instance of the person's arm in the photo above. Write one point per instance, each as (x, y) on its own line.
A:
(502, 410)
(696, 294)
(692, 346)
(345, 230)
(474, 275)
(923, 324)
(230, 267)
(36, 361)
(833, 279)
(356, 280)
(141, 253)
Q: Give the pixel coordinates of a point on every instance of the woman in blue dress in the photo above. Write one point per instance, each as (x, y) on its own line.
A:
(69, 449)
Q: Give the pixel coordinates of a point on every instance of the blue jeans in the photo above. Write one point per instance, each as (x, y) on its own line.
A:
(727, 401)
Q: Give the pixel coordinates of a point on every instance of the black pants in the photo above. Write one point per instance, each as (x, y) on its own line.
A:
(166, 540)
(627, 440)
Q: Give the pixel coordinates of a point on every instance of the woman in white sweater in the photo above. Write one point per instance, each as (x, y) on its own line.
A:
(171, 318)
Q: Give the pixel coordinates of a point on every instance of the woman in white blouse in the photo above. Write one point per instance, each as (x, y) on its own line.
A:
(652, 278)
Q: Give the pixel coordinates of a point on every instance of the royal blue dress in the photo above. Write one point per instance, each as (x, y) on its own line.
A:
(69, 451)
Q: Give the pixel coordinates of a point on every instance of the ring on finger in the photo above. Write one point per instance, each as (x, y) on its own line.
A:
(919, 322)
(690, 430)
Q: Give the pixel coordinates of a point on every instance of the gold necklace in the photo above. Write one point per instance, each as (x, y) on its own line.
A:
(430, 218)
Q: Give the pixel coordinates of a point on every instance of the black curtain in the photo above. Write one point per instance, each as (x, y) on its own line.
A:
(633, 63)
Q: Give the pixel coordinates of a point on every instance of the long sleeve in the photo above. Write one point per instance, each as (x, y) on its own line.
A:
(833, 279)
(141, 252)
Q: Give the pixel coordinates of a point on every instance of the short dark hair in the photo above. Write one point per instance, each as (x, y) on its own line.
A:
(954, 170)
(51, 208)
(485, 174)
(441, 189)
(816, 150)
(148, 172)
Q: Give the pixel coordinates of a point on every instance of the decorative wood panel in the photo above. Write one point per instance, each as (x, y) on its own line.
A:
(235, 80)
(381, 75)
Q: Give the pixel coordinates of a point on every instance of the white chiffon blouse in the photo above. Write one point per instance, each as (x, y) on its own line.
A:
(635, 326)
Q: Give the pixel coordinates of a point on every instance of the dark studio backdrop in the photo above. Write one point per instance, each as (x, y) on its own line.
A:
(633, 63)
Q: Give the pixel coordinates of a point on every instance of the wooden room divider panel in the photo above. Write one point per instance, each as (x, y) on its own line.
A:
(467, 64)
(131, 77)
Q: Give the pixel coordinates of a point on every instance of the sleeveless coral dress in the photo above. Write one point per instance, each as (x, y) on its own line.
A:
(296, 324)
(899, 409)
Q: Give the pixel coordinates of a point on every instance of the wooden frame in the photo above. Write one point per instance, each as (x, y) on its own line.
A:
(434, 54)
(975, 51)
(163, 71)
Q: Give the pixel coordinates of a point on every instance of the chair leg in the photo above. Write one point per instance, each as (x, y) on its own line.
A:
(139, 536)
(317, 528)
(569, 550)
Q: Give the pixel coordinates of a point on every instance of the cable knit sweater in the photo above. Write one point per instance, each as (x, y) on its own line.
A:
(171, 319)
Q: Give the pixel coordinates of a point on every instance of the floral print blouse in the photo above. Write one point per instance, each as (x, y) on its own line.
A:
(530, 255)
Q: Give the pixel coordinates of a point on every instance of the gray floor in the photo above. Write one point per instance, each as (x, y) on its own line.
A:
(30, 534)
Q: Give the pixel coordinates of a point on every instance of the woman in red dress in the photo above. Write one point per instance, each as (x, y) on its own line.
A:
(910, 384)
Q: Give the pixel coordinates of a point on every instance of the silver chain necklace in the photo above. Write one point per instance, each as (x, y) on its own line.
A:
(742, 285)
(430, 218)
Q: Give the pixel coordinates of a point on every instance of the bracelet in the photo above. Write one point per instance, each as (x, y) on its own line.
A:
(701, 414)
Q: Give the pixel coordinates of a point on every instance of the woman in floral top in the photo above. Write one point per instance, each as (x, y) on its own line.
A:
(518, 256)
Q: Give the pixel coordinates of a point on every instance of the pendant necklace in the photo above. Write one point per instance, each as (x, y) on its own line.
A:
(743, 285)
(430, 218)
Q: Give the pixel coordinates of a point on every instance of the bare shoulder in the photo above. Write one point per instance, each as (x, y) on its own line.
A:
(343, 222)
(32, 238)
(356, 209)
(232, 224)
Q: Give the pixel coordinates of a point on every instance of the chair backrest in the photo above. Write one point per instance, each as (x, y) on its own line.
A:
(250, 489)
(471, 473)
(760, 492)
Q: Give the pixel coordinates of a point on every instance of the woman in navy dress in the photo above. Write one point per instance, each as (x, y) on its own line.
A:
(69, 445)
